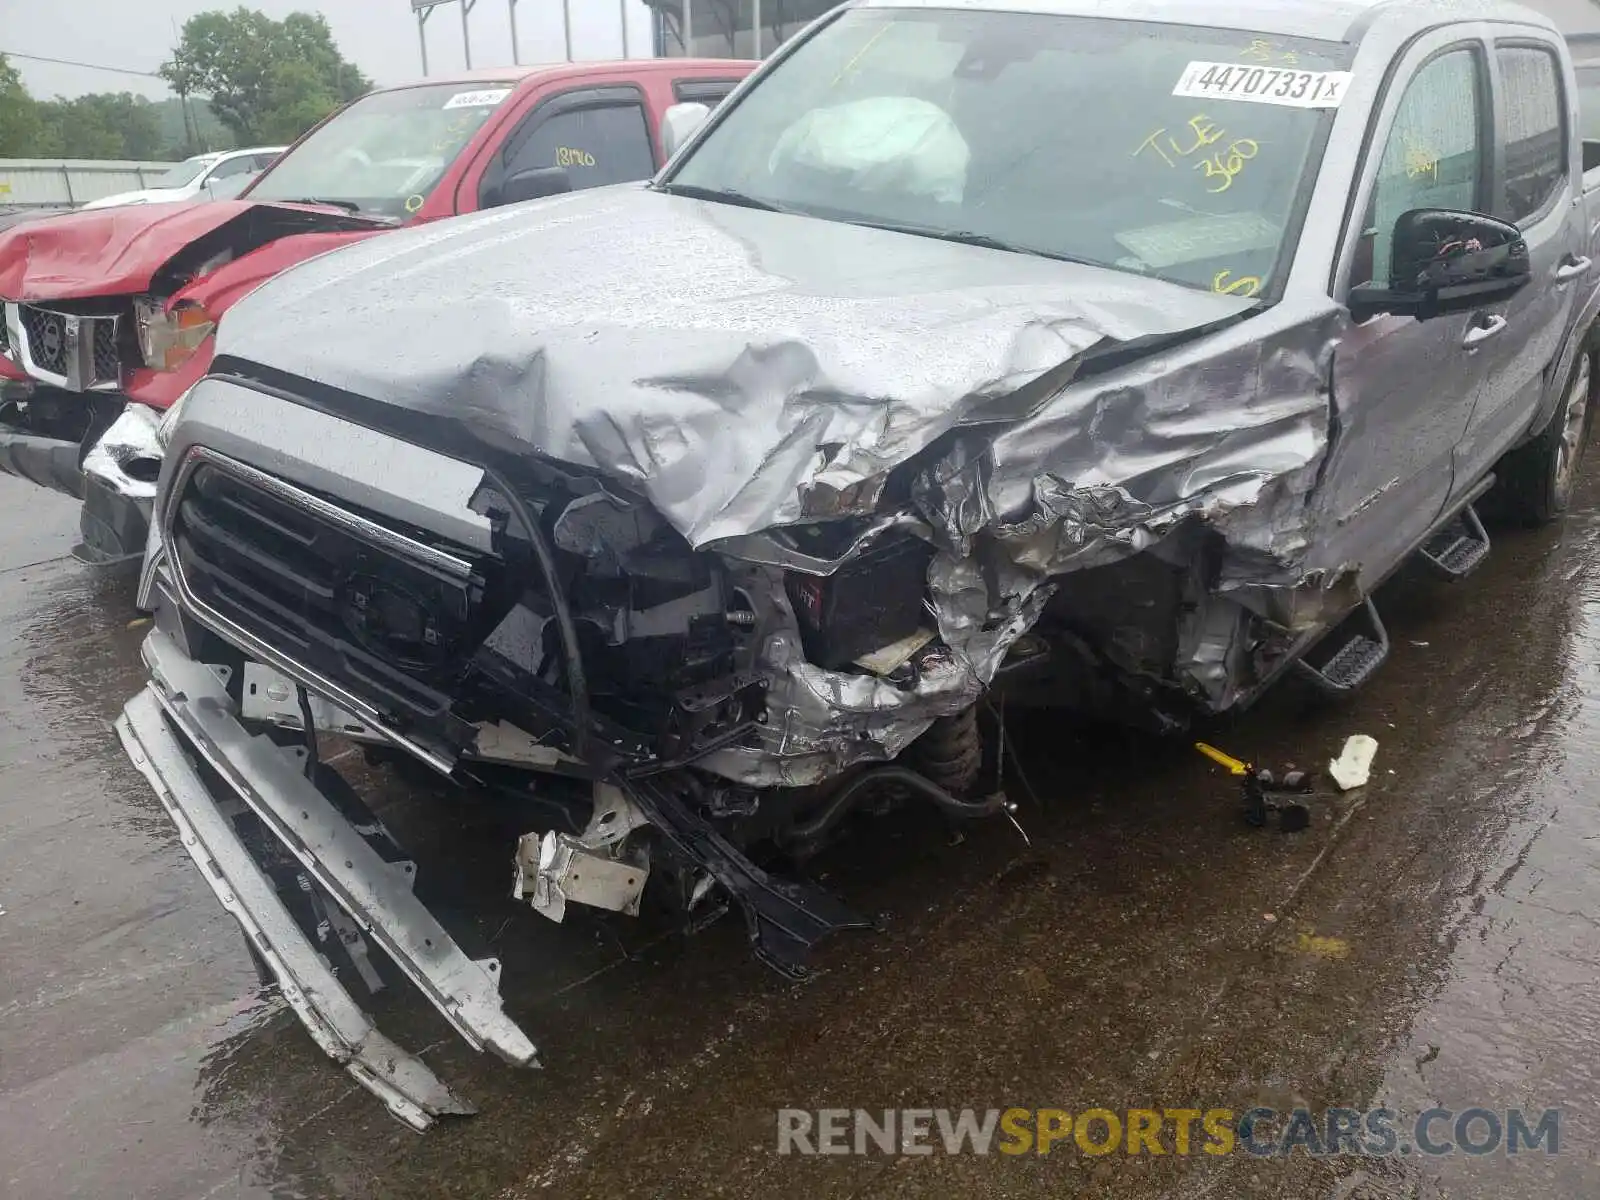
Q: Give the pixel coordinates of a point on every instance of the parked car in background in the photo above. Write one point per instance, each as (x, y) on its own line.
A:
(214, 176)
(108, 314)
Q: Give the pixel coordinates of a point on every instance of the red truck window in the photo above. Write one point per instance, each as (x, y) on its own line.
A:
(598, 135)
(703, 91)
(599, 145)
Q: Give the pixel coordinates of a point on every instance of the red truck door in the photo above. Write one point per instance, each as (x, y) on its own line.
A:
(599, 131)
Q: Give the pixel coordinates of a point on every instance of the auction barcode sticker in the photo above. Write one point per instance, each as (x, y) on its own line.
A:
(484, 99)
(1263, 85)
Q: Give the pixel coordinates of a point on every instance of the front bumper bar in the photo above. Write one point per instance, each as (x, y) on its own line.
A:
(185, 716)
(115, 520)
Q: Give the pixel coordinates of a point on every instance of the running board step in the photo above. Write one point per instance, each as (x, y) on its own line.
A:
(1364, 650)
(1458, 549)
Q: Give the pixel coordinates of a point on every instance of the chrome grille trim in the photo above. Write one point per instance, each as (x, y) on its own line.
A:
(225, 627)
(74, 351)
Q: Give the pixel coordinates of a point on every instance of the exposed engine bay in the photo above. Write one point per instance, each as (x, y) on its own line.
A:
(532, 547)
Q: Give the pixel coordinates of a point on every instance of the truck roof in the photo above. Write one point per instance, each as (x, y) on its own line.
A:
(1326, 20)
(526, 72)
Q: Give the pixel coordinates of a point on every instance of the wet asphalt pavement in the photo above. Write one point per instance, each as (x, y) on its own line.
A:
(1432, 938)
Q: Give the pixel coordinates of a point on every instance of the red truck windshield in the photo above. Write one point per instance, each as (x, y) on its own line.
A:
(387, 151)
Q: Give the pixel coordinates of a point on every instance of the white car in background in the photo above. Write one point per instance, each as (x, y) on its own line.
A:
(214, 176)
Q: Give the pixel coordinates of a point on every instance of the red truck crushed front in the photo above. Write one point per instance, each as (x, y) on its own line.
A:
(106, 319)
(216, 292)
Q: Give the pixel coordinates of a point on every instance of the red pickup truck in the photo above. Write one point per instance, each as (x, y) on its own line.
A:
(108, 315)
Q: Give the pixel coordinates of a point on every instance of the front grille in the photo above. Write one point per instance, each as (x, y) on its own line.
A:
(359, 614)
(49, 336)
(107, 368)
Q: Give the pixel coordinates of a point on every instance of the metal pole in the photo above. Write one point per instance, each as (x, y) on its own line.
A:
(755, 26)
(422, 37)
(622, 12)
(566, 25)
(688, 27)
(511, 7)
(466, 34)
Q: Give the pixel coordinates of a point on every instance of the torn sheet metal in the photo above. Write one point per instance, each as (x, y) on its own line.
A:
(747, 372)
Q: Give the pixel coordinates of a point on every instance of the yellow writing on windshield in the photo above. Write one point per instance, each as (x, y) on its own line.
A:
(1224, 284)
(1261, 50)
(413, 202)
(567, 156)
(1223, 166)
(1200, 133)
(1201, 127)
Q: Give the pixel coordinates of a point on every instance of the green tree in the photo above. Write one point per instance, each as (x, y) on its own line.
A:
(268, 80)
(21, 133)
(101, 125)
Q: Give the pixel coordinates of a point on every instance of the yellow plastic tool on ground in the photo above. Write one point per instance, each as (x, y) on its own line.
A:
(1223, 759)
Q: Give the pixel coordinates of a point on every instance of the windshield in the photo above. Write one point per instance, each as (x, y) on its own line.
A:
(386, 152)
(185, 172)
(1061, 136)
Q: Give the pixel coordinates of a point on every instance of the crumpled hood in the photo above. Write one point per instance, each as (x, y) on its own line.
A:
(727, 363)
(120, 250)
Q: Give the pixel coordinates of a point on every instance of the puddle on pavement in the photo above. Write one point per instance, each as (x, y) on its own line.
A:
(1432, 939)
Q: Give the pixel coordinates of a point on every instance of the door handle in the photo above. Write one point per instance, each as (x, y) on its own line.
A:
(1571, 268)
(1479, 334)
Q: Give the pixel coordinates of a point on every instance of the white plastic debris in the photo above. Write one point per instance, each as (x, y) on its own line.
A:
(1354, 764)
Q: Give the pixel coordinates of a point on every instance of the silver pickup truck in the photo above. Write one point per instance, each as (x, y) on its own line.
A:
(966, 354)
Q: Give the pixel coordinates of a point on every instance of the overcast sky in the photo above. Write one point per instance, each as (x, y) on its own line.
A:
(380, 36)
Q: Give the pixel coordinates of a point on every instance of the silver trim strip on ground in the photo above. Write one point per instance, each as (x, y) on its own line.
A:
(377, 894)
(402, 1081)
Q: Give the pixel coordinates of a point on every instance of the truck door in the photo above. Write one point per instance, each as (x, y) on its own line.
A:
(1533, 188)
(1403, 389)
(598, 135)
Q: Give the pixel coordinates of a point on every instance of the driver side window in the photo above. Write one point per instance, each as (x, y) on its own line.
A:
(1433, 159)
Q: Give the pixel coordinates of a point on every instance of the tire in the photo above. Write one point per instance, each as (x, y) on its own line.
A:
(1536, 481)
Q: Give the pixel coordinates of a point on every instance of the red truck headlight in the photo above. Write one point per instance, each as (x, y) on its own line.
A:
(168, 338)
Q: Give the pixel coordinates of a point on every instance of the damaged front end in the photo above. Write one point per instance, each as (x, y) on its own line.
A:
(692, 598)
(541, 634)
(106, 317)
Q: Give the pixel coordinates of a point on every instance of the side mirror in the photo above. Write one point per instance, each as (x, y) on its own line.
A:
(532, 184)
(679, 122)
(1441, 261)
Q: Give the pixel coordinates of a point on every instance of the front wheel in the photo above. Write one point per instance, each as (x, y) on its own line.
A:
(1537, 480)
